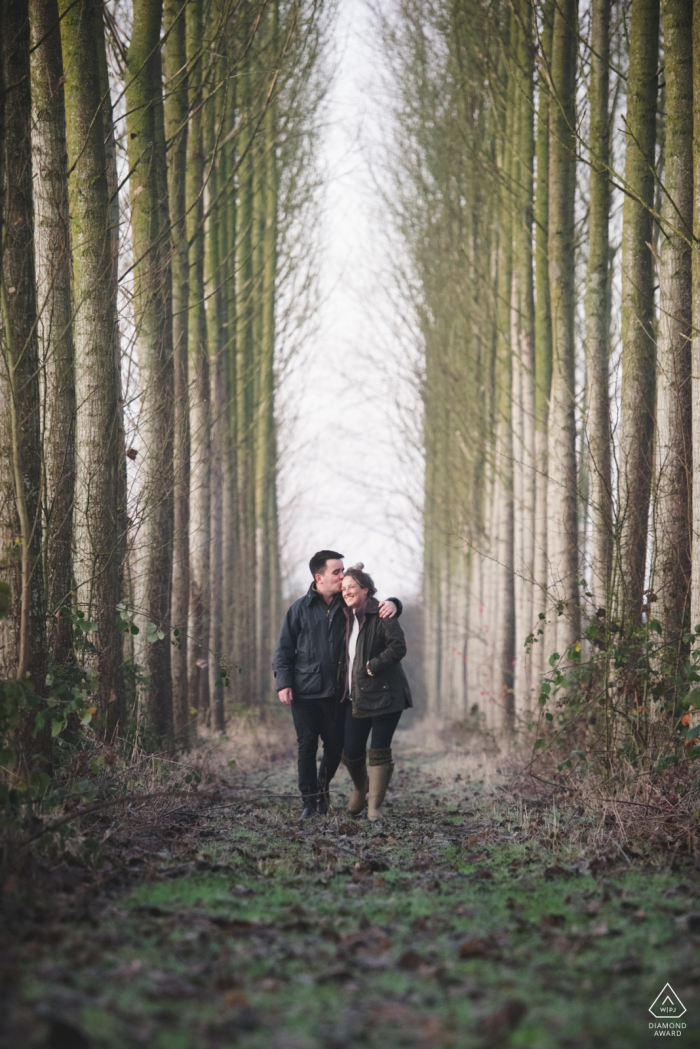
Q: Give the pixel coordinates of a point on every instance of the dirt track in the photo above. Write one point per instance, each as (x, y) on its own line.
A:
(465, 919)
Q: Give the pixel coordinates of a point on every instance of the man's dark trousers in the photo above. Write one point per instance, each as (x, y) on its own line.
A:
(314, 718)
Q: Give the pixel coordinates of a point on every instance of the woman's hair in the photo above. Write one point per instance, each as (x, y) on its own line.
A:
(362, 579)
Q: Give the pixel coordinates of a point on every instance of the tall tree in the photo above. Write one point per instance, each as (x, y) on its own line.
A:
(216, 333)
(97, 516)
(695, 348)
(23, 648)
(598, 300)
(672, 498)
(523, 344)
(150, 223)
(504, 509)
(562, 539)
(266, 537)
(543, 333)
(245, 375)
(55, 310)
(638, 335)
(176, 121)
(198, 636)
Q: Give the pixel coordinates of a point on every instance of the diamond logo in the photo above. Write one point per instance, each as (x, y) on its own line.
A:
(668, 1005)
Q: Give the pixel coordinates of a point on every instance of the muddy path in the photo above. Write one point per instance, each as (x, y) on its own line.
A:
(467, 918)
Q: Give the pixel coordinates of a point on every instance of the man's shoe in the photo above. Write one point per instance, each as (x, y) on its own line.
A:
(309, 811)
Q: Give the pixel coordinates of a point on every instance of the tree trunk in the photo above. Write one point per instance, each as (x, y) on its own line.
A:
(55, 308)
(114, 230)
(522, 338)
(152, 302)
(198, 640)
(598, 306)
(674, 409)
(543, 344)
(504, 619)
(695, 348)
(23, 647)
(267, 556)
(176, 115)
(638, 336)
(96, 527)
(245, 379)
(562, 539)
(233, 607)
(218, 396)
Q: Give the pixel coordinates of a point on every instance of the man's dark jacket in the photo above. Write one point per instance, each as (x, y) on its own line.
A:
(310, 653)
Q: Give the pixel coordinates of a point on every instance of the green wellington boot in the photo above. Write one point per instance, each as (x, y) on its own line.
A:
(381, 768)
(357, 767)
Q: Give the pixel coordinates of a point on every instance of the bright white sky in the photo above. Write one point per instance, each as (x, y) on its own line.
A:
(353, 480)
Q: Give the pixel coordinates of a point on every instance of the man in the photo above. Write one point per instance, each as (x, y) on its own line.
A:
(309, 665)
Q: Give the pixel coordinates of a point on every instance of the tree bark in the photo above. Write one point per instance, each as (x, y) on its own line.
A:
(562, 539)
(215, 293)
(198, 656)
(23, 645)
(673, 495)
(522, 339)
(543, 343)
(638, 335)
(176, 119)
(598, 298)
(55, 310)
(96, 528)
(150, 223)
(267, 555)
(695, 347)
(245, 379)
(504, 619)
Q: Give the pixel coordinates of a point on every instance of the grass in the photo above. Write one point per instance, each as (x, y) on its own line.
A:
(464, 920)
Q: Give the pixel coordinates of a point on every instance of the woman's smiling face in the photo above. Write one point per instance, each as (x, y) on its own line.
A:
(353, 594)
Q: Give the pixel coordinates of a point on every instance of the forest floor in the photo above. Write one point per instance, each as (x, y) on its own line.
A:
(469, 918)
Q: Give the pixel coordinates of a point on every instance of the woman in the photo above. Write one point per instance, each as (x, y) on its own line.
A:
(377, 689)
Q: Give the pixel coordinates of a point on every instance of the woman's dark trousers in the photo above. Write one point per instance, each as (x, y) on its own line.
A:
(314, 718)
(357, 731)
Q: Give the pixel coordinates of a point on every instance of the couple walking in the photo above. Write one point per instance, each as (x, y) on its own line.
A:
(338, 666)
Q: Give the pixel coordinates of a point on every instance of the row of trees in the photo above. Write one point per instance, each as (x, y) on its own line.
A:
(546, 189)
(157, 161)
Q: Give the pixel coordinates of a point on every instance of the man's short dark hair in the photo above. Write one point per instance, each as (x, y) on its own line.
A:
(318, 561)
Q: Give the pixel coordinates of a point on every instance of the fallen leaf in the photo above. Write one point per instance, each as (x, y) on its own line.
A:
(410, 960)
(479, 947)
(236, 999)
(168, 985)
(505, 1019)
(372, 941)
